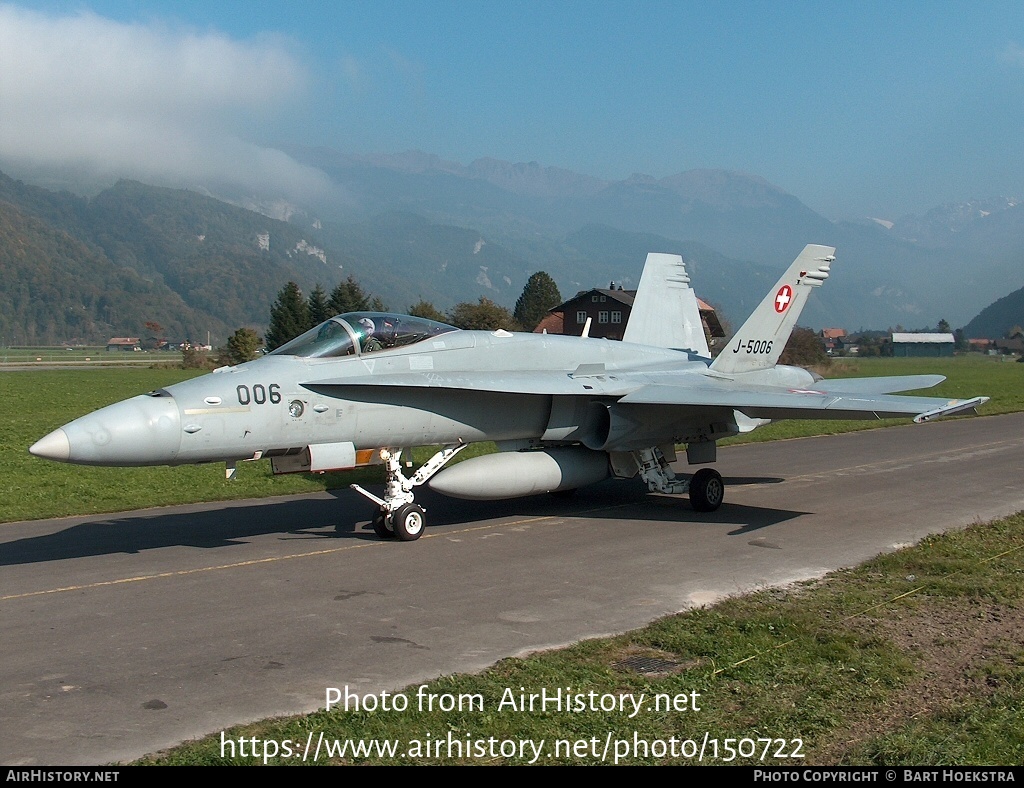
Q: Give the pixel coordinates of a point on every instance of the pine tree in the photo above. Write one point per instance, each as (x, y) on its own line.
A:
(319, 308)
(539, 295)
(348, 296)
(289, 316)
(242, 346)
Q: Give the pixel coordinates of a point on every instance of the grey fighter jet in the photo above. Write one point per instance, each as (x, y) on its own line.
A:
(565, 411)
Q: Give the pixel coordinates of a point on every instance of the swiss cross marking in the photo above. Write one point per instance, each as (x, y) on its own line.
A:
(782, 298)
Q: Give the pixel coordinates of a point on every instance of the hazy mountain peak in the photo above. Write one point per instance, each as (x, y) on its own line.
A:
(723, 187)
(970, 209)
(534, 179)
(942, 223)
(641, 178)
(414, 161)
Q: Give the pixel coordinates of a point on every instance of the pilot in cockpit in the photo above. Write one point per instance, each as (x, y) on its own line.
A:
(369, 342)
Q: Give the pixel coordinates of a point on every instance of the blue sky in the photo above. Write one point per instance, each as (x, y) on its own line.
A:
(858, 109)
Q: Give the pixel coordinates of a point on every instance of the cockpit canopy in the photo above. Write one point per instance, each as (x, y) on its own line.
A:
(358, 333)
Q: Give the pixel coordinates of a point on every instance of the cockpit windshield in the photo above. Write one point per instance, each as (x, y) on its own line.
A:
(358, 333)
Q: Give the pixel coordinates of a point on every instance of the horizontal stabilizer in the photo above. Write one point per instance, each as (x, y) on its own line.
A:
(885, 385)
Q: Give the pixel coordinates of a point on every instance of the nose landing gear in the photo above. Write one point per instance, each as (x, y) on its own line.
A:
(399, 517)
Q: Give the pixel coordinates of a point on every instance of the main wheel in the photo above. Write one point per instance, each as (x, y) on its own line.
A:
(707, 490)
(382, 525)
(409, 522)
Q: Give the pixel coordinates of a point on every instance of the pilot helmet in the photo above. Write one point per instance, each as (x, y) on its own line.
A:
(367, 325)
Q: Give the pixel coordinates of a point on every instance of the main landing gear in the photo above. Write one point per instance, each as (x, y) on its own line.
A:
(706, 488)
(399, 517)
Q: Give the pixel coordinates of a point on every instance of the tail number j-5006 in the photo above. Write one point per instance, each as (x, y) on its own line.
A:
(754, 346)
(259, 394)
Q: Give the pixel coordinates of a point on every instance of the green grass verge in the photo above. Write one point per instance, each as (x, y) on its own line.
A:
(32, 403)
(911, 658)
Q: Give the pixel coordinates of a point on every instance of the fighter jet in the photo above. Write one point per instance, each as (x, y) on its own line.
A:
(565, 411)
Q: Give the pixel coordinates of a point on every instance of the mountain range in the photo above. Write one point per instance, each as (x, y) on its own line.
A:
(414, 226)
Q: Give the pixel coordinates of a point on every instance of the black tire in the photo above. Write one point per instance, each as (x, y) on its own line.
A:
(707, 490)
(409, 522)
(382, 525)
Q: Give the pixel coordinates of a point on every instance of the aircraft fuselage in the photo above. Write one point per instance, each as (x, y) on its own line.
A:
(273, 405)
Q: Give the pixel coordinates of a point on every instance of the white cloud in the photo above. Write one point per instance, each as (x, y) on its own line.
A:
(143, 100)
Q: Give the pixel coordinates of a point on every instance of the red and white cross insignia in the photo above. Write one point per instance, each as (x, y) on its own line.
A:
(782, 298)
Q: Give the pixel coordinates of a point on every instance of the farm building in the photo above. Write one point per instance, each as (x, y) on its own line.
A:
(609, 311)
(904, 345)
(123, 343)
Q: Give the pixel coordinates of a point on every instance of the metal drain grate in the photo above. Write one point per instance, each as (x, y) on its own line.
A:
(648, 666)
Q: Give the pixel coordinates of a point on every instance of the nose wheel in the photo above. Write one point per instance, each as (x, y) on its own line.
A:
(382, 525)
(408, 522)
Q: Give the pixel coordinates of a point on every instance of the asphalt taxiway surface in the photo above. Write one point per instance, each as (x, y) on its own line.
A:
(123, 634)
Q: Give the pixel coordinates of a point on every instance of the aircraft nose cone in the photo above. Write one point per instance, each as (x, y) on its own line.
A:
(54, 446)
(143, 430)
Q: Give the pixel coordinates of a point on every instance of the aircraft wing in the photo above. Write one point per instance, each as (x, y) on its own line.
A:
(819, 402)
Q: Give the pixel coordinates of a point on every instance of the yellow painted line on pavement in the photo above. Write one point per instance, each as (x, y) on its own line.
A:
(291, 556)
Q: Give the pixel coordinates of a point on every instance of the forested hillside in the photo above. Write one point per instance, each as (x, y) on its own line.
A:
(87, 269)
(55, 288)
(996, 320)
(77, 269)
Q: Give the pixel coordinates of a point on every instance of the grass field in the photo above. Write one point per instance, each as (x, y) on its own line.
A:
(912, 658)
(32, 403)
(82, 355)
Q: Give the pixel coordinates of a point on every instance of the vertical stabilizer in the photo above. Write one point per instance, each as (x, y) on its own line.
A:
(665, 312)
(761, 340)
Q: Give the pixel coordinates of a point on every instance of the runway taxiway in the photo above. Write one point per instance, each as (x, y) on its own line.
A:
(124, 634)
